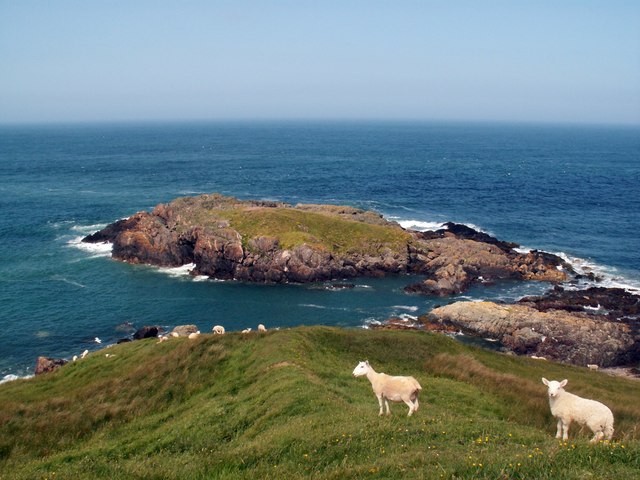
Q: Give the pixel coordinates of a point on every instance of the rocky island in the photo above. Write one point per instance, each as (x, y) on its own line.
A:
(274, 242)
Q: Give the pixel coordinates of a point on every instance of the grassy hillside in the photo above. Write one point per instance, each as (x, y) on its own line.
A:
(284, 405)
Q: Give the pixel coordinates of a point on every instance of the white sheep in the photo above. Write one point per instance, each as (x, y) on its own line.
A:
(84, 354)
(591, 366)
(386, 387)
(246, 330)
(194, 335)
(567, 407)
(262, 328)
(218, 329)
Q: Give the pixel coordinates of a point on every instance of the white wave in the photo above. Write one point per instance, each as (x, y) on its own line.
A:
(594, 309)
(425, 225)
(420, 226)
(103, 249)
(89, 228)
(523, 250)
(410, 308)
(407, 318)
(321, 307)
(609, 276)
(11, 377)
(181, 271)
(66, 280)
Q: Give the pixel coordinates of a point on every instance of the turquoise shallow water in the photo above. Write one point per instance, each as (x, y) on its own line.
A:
(569, 190)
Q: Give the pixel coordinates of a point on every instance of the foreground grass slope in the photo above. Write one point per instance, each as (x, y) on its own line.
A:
(284, 405)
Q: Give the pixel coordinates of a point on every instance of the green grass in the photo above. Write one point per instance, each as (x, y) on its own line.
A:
(284, 405)
(325, 231)
(323, 228)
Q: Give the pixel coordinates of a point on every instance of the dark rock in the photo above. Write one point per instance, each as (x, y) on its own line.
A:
(123, 340)
(615, 302)
(146, 332)
(46, 364)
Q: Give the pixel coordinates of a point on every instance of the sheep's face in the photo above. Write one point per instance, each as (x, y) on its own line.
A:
(361, 369)
(554, 387)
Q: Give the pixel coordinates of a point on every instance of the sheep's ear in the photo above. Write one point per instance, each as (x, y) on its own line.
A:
(564, 382)
(367, 362)
(545, 381)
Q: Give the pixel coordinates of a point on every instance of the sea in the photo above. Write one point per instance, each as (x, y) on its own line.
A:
(573, 190)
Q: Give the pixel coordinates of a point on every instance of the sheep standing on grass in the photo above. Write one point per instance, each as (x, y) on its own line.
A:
(567, 407)
(386, 387)
(218, 330)
(262, 328)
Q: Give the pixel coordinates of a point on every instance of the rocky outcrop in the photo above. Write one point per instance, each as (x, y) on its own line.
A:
(46, 364)
(576, 337)
(273, 242)
(184, 330)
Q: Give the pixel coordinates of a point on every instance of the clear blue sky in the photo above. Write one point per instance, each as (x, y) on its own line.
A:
(109, 60)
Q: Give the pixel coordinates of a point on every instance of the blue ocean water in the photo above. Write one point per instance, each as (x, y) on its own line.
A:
(573, 190)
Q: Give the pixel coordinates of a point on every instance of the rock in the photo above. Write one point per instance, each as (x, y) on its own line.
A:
(46, 364)
(184, 330)
(271, 242)
(572, 337)
(146, 332)
(616, 303)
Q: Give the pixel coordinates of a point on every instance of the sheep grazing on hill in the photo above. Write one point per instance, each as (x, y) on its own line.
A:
(246, 330)
(591, 366)
(262, 328)
(567, 407)
(194, 335)
(84, 354)
(218, 330)
(386, 387)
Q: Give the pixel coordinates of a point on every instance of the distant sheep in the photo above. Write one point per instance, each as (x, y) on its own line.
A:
(194, 335)
(567, 407)
(262, 328)
(84, 354)
(386, 387)
(246, 330)
(591, 366)
(537, 358)
(218, 329)
(164, 338)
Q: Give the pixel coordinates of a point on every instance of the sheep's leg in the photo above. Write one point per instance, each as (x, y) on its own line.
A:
(410, 405)
(559, 431)
(381, 405)
(386, 402)
(415, 404)
(565, 433)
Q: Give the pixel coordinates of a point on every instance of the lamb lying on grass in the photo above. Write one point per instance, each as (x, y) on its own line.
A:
(386, 387)
(567, 407)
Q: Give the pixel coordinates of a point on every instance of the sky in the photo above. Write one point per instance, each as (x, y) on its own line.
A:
(569, 61)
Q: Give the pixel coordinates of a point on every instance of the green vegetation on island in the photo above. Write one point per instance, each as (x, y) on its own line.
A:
(284, 405)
